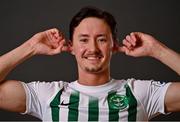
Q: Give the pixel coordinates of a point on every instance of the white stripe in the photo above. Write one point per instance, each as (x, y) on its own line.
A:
(83, 107)
(123, 115)
(103, 110)
(63, 112)
(140, 113)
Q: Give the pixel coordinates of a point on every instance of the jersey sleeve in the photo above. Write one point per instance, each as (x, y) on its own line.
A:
(151, 94)
(37, 95)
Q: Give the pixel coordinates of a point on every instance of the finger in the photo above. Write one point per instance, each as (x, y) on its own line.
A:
(53, 41)
(139, 38)
(130, 41)
(54, 30)
(138, 33)
(59, 48)
(125, 50)
(62, 42)
(61, 36)
(57, 35)
(49, 39)
(127, 44)
(134, 39)
(67, 46)
(51, 35)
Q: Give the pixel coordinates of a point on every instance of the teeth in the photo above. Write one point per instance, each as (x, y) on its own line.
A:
(93, 58)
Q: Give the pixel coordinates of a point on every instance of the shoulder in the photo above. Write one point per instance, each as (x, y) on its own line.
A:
(133, 83)
(144, 84)
(146, 89)
(44, 87)
(143, 88)
(46, 84)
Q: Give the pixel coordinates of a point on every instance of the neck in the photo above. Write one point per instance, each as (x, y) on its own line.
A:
(94, 79)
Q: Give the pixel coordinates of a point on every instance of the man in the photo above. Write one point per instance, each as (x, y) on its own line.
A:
(95, 96)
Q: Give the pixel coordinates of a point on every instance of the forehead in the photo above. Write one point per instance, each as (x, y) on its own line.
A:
(92, 25)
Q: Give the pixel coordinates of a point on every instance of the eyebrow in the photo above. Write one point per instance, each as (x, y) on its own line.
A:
(83, 35)
(86, 35)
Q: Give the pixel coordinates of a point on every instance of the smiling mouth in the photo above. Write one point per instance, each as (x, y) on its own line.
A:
(93, 57)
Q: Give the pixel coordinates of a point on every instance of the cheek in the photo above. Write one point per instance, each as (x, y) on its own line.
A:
(107, 49)
(108, 52)
(78, 51)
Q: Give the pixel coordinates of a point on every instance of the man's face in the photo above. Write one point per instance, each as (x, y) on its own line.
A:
(92, 45)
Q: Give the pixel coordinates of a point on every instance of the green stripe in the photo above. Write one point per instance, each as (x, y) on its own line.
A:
(132, 110)
(55, 106)
(113, 113)
(73, 107)
(93, 110)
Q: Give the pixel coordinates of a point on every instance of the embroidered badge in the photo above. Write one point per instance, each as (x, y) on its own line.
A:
(118, 102)
(158, 83)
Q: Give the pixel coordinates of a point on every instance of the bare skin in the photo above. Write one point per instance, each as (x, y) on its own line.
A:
(149, 46)
(12, 94)
(92, 47)
(93, 50)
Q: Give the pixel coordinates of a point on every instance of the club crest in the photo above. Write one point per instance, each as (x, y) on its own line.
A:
(118, 102)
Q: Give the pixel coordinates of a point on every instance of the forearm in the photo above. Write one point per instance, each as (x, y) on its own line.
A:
(168, 57)
(10, 60)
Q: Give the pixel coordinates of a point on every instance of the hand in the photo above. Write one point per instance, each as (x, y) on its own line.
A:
(49, 42)
(140, 44)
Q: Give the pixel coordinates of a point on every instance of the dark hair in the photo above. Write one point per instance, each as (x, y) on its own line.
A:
(93, 12)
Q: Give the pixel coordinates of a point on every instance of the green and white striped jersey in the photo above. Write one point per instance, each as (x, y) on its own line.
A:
(117, 100)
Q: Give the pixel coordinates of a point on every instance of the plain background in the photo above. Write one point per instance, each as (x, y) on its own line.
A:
(21, 19)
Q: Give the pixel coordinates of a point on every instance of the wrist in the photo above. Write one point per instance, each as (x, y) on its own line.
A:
(29, 48)
(158, 51)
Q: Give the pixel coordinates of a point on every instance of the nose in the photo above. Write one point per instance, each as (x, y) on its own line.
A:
(93, 46)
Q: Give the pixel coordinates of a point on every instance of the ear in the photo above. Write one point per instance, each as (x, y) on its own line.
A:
(71, 47)
(115, 47)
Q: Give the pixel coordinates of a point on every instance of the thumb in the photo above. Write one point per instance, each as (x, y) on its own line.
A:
(118, 48)
(67, 46)
(122, 49)
(55, 51)
(67, 49)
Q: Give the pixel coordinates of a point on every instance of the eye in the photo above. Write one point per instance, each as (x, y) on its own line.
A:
(102, 40)
(83, 40)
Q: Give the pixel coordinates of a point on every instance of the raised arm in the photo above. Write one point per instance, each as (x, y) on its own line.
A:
(139, 44)
(12, 94)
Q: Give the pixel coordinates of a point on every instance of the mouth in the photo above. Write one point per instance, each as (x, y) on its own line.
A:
(94, 58)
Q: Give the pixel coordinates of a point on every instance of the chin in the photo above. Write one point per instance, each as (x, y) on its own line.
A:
(94, 70)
